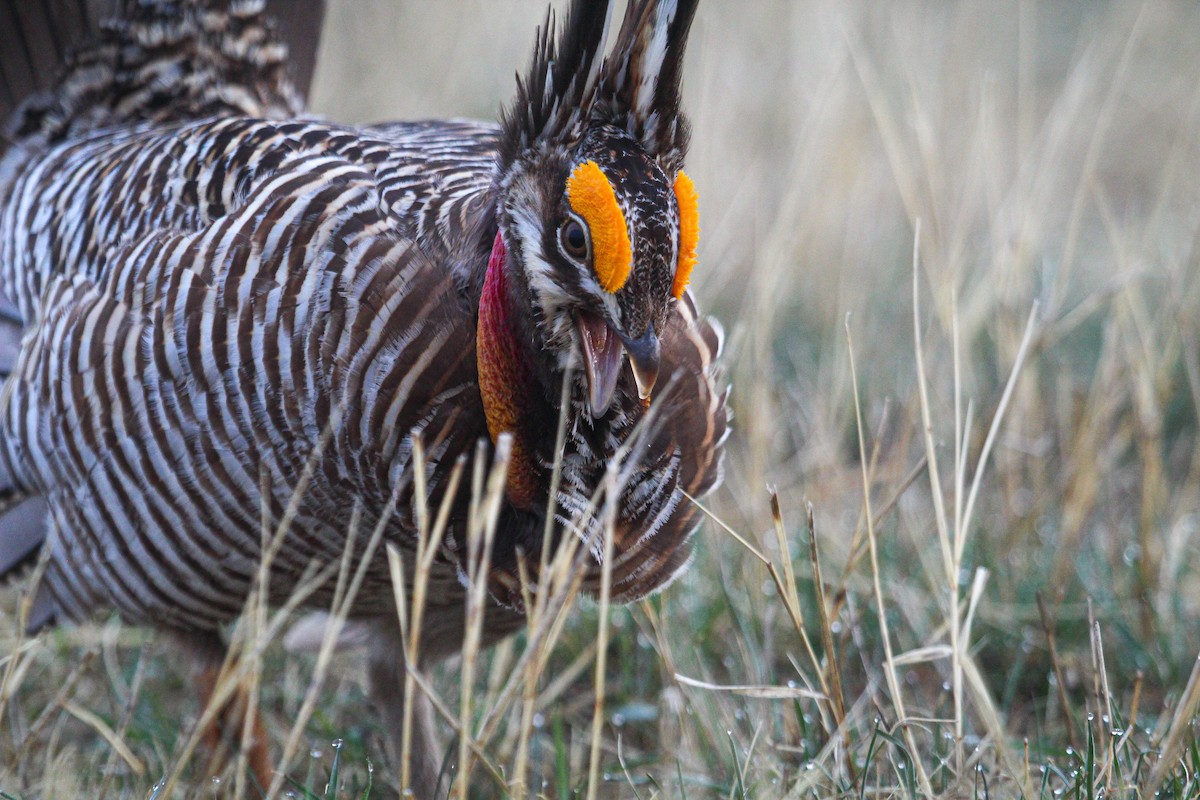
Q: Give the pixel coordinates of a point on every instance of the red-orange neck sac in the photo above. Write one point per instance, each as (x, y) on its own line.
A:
(503, 376)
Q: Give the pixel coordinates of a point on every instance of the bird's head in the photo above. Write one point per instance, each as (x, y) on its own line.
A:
(598, 221)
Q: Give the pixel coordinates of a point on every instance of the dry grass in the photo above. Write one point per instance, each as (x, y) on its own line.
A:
(995, 591)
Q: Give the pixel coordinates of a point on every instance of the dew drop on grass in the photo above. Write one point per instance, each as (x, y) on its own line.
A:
(1117, 732)
(316, 752)
(337, 744)
(618, 720)
(538, 720)
(946, 686)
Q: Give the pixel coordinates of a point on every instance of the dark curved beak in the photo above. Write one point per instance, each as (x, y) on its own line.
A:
(603, 359)
(645, 354)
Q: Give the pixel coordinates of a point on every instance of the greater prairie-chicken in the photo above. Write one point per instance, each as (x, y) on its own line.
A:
(225, 301)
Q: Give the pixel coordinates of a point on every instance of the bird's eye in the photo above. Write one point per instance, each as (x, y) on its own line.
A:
(574, 239)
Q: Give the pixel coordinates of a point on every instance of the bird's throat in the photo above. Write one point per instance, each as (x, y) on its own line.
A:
(504, 376)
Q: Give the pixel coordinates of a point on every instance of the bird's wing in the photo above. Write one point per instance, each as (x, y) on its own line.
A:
(687, 426)
(177, 365)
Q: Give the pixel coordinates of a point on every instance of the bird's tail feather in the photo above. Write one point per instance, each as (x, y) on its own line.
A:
(67, 64)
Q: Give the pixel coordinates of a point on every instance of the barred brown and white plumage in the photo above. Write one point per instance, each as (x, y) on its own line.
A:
(211, 284)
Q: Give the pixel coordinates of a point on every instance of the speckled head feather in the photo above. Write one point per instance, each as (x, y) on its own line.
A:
(570, 84)
(639, 83)
(555, 94)
(621, 111)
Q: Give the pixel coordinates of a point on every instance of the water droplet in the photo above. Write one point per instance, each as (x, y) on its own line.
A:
(1117, 732)
(618, 720)
(216, 780)
(316, 752)
(946, 686)
(539, 720)
(337, 744)
(1091, 717)
(791, 684)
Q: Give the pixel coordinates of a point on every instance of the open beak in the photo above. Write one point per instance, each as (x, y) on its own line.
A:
(603, 356)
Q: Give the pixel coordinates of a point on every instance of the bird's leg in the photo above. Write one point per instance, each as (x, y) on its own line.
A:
(385, 673)
(208, 654)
